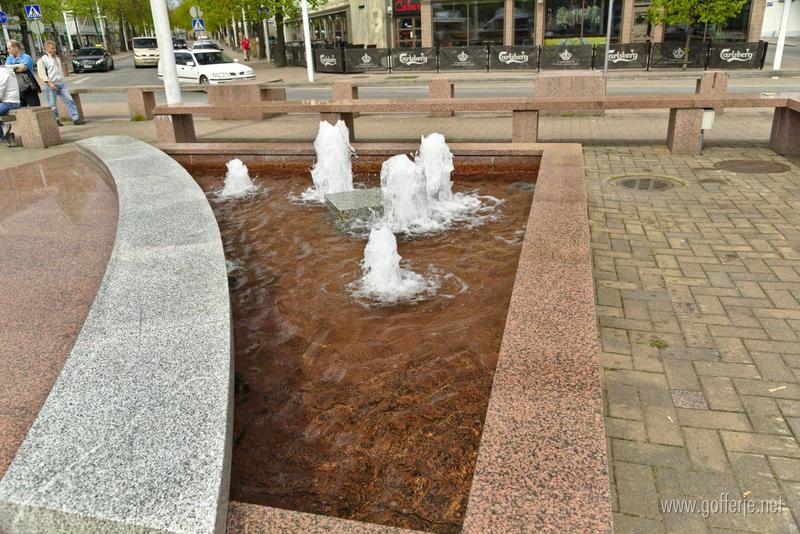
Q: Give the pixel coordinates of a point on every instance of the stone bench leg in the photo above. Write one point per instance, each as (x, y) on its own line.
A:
(62, 109)
(272, 95)
(684, 135)
(36, 127)
(441, 88)
(785, 136)
(333, 118)
(525, 126)
(141, 103)
(713, 83)
(344, 90)
(175, 129)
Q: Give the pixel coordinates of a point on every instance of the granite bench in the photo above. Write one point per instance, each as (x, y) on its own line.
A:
(175, 124)
(35, 127)
(135, 435)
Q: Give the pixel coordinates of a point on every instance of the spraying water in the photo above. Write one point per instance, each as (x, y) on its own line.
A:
(237, 181)
(333, 171)
(404, 196)
(384, 280)
(437, 162)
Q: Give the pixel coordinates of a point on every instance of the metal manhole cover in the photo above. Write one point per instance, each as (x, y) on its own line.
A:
(751, 166)
(645, 183)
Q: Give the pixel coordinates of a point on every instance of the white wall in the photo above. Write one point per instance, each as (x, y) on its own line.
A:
(772, 19)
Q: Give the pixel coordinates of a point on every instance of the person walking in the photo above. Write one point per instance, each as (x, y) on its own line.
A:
(246, 48)
(49, 70)
(22, 65)
(9, 97)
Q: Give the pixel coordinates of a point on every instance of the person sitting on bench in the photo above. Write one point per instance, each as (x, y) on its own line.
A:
(9, 97)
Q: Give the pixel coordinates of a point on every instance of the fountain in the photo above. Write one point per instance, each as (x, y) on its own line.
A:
(384, 280)
(332, 172)
(437, 163)
(405, 197)
(237, 181)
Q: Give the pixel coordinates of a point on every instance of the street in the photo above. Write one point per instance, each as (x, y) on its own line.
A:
(125, 75)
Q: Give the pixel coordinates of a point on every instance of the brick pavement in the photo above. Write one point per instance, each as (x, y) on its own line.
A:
(698, 299)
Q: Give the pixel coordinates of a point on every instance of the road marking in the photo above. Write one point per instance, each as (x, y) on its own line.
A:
(80, 80)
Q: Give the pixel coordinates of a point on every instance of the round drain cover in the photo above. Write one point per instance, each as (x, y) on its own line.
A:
(751, 166)
(645, 183)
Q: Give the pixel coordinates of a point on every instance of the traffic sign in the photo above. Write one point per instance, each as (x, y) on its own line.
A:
(3, 17)
(263, 12)
(33, 12)
(195, 12)
(198, 25)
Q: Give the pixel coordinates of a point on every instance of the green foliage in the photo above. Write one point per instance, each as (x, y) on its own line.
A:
(217, 14)
(690, 12)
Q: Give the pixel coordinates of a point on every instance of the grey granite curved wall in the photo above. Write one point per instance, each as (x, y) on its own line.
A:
(135, 435)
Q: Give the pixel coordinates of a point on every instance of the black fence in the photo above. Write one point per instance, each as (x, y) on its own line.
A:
(639, 56)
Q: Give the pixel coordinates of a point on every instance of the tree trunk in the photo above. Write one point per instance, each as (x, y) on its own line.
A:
(280, 46)
(688, 39)
(262, 44)
(122, 44)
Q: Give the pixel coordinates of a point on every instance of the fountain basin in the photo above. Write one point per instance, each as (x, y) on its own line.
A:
(541, 465)
(356, 204)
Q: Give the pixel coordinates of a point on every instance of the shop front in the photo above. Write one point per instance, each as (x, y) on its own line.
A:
(407, 23)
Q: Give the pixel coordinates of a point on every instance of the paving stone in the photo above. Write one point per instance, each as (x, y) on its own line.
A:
(720, 394)
(705, 450)
(754, 475)
(764, 415)
(650, 454)
(625, 429)
(785, 468)
(714, 419)
(637, 525)
(695, 400)
(732, 370)
(766, 444)
(636, 489)
(662, 426)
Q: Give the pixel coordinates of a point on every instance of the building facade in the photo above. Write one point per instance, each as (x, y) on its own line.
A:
(427, 23)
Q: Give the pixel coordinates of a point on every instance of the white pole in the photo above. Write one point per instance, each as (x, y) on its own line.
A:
(66, 27)
(244, 23)
(307, 37)
(165, 52)
(608, 39)
(102, 28)
(266, 38)
(776, 63)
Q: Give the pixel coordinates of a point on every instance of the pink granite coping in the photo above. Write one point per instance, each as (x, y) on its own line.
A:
(58, 219)
(542, 464)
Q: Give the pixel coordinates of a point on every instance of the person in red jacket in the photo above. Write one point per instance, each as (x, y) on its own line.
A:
(246, 48)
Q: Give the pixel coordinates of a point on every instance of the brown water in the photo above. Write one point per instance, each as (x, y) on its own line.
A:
(367, 413)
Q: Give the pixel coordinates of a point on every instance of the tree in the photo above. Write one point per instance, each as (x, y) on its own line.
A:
(691, 12)
(218, 15)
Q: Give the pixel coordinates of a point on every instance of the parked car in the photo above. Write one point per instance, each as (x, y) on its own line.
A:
(208, 66)
(179, 44)
(145, 52)
(205, 44)
(92, 58)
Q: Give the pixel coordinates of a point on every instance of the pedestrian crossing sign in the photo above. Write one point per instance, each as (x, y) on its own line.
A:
(198, 25)
(33, 12)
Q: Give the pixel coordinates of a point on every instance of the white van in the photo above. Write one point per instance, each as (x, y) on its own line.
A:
(145, 52)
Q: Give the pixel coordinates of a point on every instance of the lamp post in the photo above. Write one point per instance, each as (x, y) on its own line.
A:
(776, 63)
(307, 37)
(166, 54)
(102, 27)
(608, 38)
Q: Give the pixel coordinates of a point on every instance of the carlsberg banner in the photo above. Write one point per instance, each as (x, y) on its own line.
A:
(625, 56)
(513, 57)
(737, 55)
(367, 59)
(414, 59)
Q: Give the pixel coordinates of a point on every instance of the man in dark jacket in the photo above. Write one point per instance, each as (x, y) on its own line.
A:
(22, 65)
